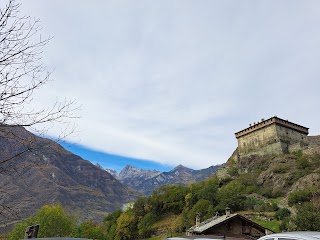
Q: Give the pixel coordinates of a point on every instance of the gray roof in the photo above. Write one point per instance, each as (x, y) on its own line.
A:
(216, 220)
(211, 222)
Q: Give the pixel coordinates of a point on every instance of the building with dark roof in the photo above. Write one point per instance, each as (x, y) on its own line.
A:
(231, 225)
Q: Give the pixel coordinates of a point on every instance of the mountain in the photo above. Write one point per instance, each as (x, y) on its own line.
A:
(114, 173)
(36, 171)
(130, 173)
(146, 181)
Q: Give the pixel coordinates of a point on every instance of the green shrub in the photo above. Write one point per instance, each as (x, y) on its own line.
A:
(270, 193)
(297, 153)
(232, 196)
(307, 218)
(296, 174)
(54, 221)
(280, 169)
(282, 213)
(203, 208)
(301, 160)
(266, 207)
(89, 229)
(302, 163)
(233, 171)
(315, 159)
(249, 180)
(300, 196)
(145, 225)
(252, 203)
(284, 225)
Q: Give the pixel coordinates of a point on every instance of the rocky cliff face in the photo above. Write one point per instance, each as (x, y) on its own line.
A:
(279, 173)
(35, 171)
(146, 181)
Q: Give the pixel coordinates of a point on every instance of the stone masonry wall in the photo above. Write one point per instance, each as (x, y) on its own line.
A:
(272, 139)
(258, 139)
(290, 136)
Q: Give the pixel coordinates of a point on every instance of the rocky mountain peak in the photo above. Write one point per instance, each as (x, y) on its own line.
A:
(146, 181)
(114, 173)
(181, 168)
(130, 172)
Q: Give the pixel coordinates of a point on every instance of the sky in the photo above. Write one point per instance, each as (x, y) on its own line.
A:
(163, 83)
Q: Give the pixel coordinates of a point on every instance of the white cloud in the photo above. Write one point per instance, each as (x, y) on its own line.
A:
(171, 81)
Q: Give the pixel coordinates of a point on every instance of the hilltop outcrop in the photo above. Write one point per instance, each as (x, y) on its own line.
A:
(279, 173)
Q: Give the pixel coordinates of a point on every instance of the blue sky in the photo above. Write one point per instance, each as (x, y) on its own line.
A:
(111, 161)
(172, 81)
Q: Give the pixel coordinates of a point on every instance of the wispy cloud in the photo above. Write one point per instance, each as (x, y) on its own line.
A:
(171, 81)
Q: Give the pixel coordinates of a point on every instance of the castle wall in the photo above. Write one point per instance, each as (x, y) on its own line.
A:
(272, 139)
(259, 139)
(274, 148)
(290, 136)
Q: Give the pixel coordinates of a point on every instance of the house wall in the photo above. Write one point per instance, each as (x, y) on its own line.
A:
(256, 233)
(235, 226)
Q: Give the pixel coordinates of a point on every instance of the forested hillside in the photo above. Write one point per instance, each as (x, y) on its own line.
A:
(279, 192)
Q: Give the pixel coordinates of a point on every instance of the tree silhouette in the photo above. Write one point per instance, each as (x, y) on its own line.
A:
(22, 72)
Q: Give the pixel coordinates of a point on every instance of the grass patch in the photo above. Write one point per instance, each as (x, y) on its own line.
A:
(276, 200)
(256, 214)
(272, 225)
(166, 223)
(280, 169)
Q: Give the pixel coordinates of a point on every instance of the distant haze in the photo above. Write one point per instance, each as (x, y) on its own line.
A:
(172, 81)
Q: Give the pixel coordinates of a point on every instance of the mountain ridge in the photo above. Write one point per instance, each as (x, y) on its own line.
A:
(46, 173)
(145, 181)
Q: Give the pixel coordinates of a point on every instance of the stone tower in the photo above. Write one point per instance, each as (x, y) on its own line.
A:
(271, 136)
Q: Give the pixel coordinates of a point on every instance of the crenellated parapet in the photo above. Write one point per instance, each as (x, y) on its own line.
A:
(274, 136)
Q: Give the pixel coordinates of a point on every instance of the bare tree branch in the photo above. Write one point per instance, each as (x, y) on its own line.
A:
(21, 73)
